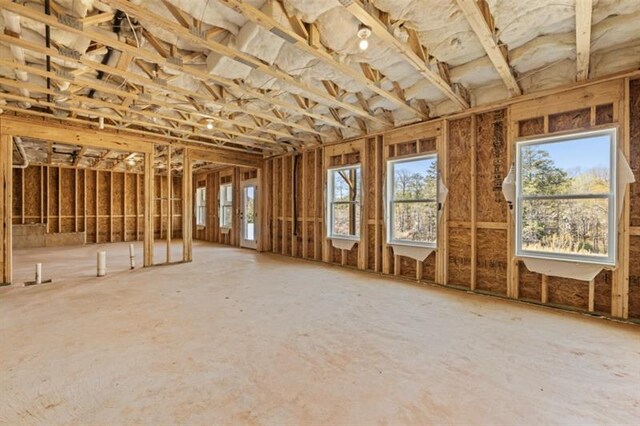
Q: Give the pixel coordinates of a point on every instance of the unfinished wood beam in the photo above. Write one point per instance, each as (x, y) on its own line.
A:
(157, 59)
(306, 38)
(187, 206)
(583, 38)
(479, 18)
(237, 55)
(178, 14)
(79, 156)
(148, 209)
(98, 18)
(381, 30)
(6, 207)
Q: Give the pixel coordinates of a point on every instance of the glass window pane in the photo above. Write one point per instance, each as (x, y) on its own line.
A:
(580, 166)
(566, 226)
(415, 180)
(346, 184)
(346, 219)
(416, 222)
(225, 216)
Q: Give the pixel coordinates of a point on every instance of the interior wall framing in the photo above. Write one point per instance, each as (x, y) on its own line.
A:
(475, 152)
(211, 231)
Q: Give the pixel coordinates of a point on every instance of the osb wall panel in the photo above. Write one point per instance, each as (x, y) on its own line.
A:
(568, 292)
(491, 166)
(530, 285)
(73, 192)
(407, 267)
(459, 262)
(131, 194)
(602, 293)
(104, 186)
(531, 127)
(492, 261)
(80, 209)
(634, 158)
(33, 194)
(118, 191)
(634, 278)
(570, 120)
(53, 200)
(459, 169)
(429, 268)
(17, 196)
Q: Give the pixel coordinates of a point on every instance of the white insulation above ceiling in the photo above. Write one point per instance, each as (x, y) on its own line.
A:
(540, 36)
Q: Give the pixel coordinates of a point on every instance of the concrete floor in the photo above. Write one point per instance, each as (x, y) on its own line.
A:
(238, 337)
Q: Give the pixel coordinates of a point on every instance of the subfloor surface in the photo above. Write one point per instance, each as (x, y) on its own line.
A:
(238, 337)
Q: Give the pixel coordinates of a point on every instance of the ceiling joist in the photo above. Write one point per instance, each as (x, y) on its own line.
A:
(302, 39)
(481, 21)
(381, 30)
(583, 38)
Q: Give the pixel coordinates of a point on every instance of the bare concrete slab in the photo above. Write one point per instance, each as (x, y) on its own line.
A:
(238, 337)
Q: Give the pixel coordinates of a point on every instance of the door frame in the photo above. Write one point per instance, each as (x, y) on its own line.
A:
(244, 243)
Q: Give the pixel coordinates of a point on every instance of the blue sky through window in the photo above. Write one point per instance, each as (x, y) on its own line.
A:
(578, 155)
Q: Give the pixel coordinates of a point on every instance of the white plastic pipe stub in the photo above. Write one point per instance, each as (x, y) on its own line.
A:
(38, 273)
(132, 257)
(102, 263)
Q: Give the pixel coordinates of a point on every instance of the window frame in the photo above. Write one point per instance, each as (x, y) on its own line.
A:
(221, 206)
(390, 179)
(199, 213)
(611, 196)
(330, 202)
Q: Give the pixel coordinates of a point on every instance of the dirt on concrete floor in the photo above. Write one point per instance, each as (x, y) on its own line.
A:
(238, 337)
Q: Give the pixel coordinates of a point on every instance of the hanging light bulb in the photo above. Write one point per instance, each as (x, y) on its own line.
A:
(364, 32)
(131, 161)
(209, 125)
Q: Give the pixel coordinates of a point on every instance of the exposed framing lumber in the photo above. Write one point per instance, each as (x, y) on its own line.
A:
(159, 60)
(479, 18)
(302, 39)
(583, 38)
(249, 60)
(6, 207)
(358, 10)
(149, 202)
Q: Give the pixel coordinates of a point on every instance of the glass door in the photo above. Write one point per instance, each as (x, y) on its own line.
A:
(249, 214)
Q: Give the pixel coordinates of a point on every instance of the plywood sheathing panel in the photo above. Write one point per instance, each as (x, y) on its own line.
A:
(17, 196)
(530, 285)
(634, 278)
(568, 292)
(492, 261)
(459, 262)
(604, 114)
(531, 127)
(491, 165)
(602, 292)
(32, 191)
(459, 167)
(429, 268)
(634, 157)
(80, 206)
(570, 120)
